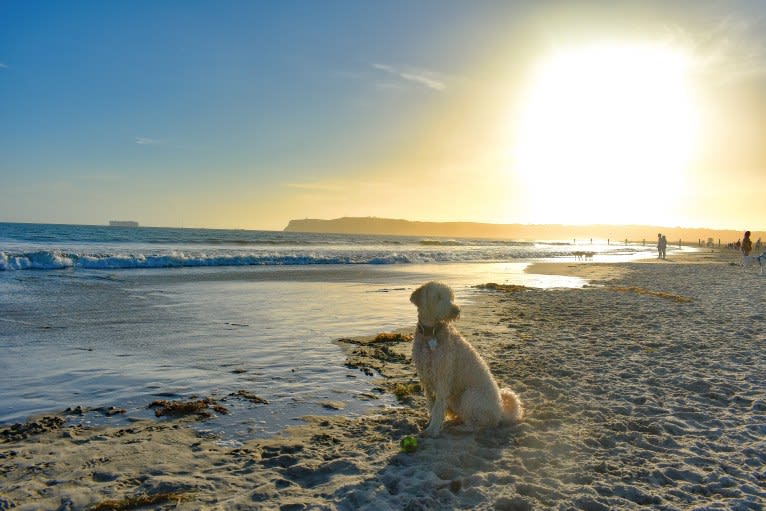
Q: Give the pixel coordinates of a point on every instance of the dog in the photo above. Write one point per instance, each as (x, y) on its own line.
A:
(455, 379)
(584, 256)
(760, 259)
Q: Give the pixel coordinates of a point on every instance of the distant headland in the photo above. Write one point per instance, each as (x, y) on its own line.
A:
(399, 227)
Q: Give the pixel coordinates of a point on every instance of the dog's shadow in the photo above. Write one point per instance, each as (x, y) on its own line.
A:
(442, 473)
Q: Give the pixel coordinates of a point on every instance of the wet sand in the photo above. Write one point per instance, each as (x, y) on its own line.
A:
(647, 388)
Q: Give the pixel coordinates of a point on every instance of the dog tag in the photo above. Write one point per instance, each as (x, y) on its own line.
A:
(432, 343)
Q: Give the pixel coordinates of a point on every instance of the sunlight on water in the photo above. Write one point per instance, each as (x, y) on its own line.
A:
(94, 334)
(127, 338)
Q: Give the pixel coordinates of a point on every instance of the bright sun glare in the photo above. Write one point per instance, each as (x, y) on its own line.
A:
(604, 131)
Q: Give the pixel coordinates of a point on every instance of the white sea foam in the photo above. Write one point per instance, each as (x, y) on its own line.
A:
(118, 258)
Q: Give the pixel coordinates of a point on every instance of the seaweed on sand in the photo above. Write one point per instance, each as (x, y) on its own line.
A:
(199, 407)
(250, 396)
(378, 353)
(23, 431)
(138, 501)
(405, 391)
(505, 288)
(387, 355)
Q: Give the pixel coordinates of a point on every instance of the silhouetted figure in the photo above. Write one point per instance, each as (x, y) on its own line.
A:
(747, 245)
(662, 245)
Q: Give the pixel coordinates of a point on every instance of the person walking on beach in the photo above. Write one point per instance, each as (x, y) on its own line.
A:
(662, 244)
(747, 244)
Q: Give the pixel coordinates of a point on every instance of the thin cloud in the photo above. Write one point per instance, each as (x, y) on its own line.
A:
(731, 49)
(168, 143)
(147, 141)
(419, 76)
(738, 46)
(388, 86)
(315, 187)
(3, 65)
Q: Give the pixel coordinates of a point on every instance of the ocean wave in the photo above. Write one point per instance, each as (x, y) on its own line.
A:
(42, 260)
(167, 236)
(441, 243)
(58, 260)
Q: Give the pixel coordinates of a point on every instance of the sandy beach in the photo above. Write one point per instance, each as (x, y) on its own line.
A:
(646, 388)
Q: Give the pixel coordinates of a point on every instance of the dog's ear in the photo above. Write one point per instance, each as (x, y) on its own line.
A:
(416, 296)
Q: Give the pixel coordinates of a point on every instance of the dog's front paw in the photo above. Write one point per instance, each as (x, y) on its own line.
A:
(432, 431)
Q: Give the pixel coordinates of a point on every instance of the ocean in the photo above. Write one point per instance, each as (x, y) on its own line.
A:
(99, 316)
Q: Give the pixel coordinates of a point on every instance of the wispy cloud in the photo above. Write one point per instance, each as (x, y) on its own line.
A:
(421, 77)
(315, 186)
(147, 141)
(3, 65)
(389, 86)
(738, 46)
(169, 144)
(731, 49)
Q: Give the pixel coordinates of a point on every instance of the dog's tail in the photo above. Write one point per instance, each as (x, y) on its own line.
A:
(513, 410)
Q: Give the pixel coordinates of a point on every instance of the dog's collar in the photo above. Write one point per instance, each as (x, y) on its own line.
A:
(429, 331)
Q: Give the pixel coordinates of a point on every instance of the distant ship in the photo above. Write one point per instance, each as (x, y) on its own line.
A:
(123, 223)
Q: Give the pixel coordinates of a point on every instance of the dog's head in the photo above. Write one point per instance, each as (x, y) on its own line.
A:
(436, 303)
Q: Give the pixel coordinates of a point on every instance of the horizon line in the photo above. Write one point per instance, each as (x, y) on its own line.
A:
(390, 219)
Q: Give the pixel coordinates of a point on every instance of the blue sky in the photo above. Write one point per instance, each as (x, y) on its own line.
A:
(248, 114)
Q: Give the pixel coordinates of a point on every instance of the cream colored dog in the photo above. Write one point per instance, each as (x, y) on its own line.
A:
(456, 381)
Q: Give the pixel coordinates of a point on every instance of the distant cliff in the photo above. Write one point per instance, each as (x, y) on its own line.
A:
(396, 227)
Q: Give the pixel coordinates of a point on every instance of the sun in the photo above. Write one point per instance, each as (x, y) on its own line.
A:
(606, 131)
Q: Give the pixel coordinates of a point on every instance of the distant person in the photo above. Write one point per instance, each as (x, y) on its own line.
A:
(747, 245)
(758, 245)
(663, 246)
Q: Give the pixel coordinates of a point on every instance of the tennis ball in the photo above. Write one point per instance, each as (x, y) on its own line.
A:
(409, 444)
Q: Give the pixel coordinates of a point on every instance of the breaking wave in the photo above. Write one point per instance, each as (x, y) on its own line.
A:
(58, 260)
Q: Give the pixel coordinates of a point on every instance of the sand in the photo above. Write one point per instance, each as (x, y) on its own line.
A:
(647, 388)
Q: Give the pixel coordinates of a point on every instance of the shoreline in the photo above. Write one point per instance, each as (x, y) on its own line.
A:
(600, 271)
(646, 387)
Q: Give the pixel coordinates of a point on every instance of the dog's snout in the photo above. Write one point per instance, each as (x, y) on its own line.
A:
(455, 312)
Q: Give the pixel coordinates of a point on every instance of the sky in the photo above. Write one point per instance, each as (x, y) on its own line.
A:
(246, 114)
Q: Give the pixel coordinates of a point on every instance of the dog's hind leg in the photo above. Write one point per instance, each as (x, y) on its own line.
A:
(479, 408)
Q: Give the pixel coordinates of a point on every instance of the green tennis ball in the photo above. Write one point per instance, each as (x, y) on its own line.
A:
(409, 444)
